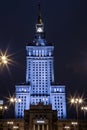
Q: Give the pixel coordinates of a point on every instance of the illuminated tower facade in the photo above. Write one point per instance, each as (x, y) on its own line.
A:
(39, 86)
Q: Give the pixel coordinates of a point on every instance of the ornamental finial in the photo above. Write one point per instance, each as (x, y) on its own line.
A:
(39, 20)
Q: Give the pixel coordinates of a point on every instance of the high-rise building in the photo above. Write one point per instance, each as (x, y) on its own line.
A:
(40, 85)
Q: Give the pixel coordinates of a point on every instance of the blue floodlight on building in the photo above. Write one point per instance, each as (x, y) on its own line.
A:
(40, 85)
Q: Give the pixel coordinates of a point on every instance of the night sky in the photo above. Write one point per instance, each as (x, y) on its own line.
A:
(65, 26)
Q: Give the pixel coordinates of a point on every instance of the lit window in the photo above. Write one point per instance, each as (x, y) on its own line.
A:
(54, 89)
(42, 52)
(36, 52)
(49, 53)
(33, 52)
(29, 53)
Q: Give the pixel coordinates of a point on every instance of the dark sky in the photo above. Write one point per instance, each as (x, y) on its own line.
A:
(65, 25)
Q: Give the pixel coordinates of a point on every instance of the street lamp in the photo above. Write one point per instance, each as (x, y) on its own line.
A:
(74, 124)
(3, 59)
(84, 109)
(76, 102)
(13, 100)
(3, 108)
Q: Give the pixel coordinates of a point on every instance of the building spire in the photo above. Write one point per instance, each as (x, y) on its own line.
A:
(39, 20)
(39, 34)
(39, 24)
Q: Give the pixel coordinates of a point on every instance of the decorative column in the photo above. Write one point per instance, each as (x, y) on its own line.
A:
(47, 126)
(38, 127)
(34, 127)
(42, 127)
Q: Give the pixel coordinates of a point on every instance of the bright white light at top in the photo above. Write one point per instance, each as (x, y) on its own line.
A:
(39, 29)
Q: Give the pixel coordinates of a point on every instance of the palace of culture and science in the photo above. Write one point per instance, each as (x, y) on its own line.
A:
(40, 85)
(42, 103)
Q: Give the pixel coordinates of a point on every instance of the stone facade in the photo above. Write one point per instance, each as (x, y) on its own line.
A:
(40, 117)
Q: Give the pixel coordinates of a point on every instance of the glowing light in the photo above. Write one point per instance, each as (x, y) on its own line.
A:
(13, 100)
(19, 100)
(10, 122)
(67, 127)
(76, 100)
(72, 100)
(40, 121)
(80, 100)
(15, 127)
(5, 60)
(39, 29)
(84, 108)
(74, 123)
(3, 107)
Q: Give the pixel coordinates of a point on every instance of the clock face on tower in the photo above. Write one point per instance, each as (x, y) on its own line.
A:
(39, 29)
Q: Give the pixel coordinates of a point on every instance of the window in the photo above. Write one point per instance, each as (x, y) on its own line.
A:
(29, 53)
(36, 52)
